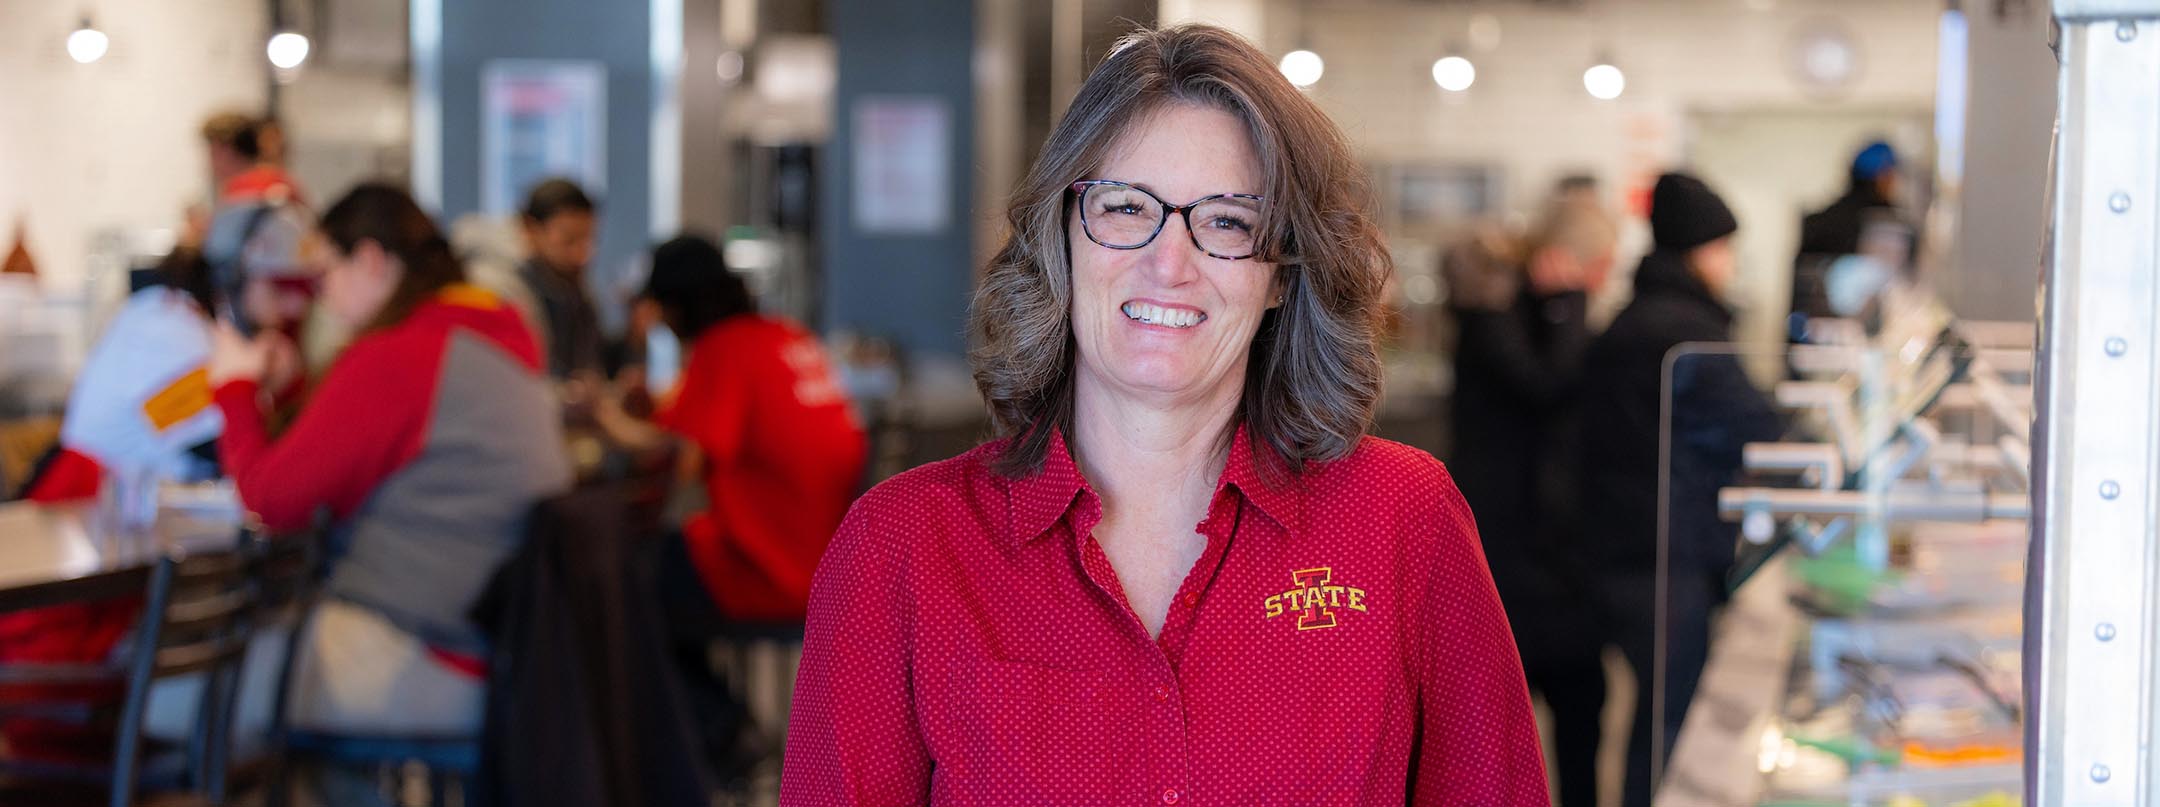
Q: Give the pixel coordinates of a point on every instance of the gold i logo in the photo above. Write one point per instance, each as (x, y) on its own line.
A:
(1314, 598)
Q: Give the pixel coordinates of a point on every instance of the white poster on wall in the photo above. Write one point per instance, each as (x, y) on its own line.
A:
(541, 119)
(903, 161)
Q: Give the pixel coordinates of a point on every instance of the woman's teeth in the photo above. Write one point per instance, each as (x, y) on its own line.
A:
(1167, 317)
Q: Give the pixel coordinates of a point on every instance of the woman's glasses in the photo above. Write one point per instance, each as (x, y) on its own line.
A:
(1121, 216)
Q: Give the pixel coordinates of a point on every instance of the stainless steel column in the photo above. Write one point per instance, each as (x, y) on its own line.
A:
(2090, 641)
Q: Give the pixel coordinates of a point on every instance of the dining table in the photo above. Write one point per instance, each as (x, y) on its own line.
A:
(53, 554)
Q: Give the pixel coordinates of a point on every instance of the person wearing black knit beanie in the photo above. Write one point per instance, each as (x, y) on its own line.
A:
(1715, 410)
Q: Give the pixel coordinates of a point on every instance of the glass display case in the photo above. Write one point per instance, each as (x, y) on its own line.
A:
(1867, 650)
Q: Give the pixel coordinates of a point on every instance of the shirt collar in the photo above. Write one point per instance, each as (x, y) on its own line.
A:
(1035, 503)
(1264, 480)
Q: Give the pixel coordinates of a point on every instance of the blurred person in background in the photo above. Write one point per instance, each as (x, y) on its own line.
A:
(240, 172)
(270, 142)
(255, 229)
(1183, 573)
(1680, 290)
(1518, 368)
(141, 404)
(775, 439)
(141, 401)
(1844, 228)
(428, 442)
(493, 251)
(561, 225)
(232, 148)
(766, 426)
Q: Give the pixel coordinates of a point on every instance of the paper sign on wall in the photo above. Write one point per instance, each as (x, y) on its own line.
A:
(903, 162)
(543, 119)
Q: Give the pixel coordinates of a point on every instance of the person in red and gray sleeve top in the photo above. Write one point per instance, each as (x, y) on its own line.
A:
(1183, 575)
(428, 440)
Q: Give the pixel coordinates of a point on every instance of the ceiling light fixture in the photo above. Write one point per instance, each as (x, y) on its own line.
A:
(87, 44)
(287, 50)
(1454, 73)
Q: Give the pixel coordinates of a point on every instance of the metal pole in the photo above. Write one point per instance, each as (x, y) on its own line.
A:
(2089, 611)
(274, 92)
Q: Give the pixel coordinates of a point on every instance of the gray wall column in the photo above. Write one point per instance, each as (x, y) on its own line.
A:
(911, 288)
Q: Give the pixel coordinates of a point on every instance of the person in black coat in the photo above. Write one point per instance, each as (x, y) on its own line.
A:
(1523, 332)
(1839, 230)
(1715, 411)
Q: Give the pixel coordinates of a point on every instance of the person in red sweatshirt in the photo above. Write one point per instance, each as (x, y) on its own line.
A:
(426, 441)
(781, 451)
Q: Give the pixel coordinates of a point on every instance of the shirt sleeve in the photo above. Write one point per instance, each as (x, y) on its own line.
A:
(712, 404)
(854, 738)
(1478, 740)
(362, 423)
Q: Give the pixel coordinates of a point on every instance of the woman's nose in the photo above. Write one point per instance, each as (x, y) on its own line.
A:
(1171, 259)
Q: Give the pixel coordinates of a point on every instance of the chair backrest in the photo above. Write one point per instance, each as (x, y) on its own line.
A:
(284, 571)
(199, 617)
(194, 620)
(203, 618)
(287, 571)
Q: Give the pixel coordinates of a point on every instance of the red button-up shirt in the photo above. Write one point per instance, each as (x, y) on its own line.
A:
(1338, 643)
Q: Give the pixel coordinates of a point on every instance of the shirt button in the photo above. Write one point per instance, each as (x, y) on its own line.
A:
(1192, 599)
(1169, 796)
(1162, 694)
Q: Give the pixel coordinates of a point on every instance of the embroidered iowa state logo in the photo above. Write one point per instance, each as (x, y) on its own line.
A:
(1315, 599)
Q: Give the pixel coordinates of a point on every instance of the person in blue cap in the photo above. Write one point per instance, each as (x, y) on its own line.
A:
(1838, 230)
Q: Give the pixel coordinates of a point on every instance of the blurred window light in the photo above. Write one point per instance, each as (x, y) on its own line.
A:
(1454, 73)
(796, 70)
(287, 50)
(1604, 82)
(87, 44)
(1303, 67)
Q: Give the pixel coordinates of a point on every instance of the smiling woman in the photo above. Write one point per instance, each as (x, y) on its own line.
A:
(1303, 196)
(1177, 345)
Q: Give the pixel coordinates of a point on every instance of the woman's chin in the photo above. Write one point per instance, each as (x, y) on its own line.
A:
(1158, 380)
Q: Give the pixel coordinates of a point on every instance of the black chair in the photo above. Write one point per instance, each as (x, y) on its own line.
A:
(290, 569)
(197, 620)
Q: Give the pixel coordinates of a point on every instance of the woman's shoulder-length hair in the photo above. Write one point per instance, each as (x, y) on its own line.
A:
(1313, 377)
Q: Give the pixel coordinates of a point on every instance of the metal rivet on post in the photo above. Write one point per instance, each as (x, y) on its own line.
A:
(2116, 346)
(2104, 631)
(2126, 31)
(2119, 202)
(2109, 490)
(2100, 773)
